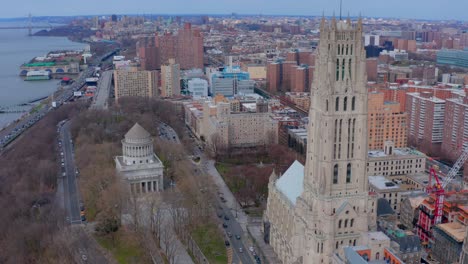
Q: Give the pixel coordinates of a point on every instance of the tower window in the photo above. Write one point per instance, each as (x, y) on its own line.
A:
(337, 104)
(337, 69)
(351, 223)
(339, 223)
(346, 223)
(348, 173)
(338, 49)
(335, 174)
(343, 70)
(351, 50)
(353, 103)
(349, 69)
(326, 105)
(346, 49)
(345, 103)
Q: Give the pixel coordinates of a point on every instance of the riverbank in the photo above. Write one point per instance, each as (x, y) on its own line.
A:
(17, 48)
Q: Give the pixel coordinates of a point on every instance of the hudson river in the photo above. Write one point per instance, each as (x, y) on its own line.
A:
(16, 48)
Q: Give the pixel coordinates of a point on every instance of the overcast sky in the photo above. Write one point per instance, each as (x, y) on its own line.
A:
(425, 9)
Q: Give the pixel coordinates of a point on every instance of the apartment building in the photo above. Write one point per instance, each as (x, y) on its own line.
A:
(132, 82)
(386, 122)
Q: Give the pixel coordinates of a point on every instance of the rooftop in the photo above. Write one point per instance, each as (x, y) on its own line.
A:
(137, 132)
(378, 235)
(382, 183)
(396, 152)
(291, 182)
(454, 229)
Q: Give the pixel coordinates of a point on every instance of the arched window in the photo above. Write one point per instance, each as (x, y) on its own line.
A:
(377, 255)
(339, 223)
(337, 104)
(348, 173)
(351, 50)
(353, 103)
(337, 69)
(326, 105)
(349, 69)
(338, 49)
(346, 223)
(346, 49)
(335, 174)
(351, 223)
(345, 103)
(343, 70)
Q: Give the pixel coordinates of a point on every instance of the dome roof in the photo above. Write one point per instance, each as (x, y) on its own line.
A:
(137, 132)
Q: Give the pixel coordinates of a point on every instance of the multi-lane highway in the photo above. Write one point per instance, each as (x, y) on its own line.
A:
(9, 134)
(69, 173)
(103, 90)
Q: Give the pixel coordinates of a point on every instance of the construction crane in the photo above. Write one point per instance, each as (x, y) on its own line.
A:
(439, 187)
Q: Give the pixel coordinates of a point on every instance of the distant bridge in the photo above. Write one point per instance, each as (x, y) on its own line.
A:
(27, 27)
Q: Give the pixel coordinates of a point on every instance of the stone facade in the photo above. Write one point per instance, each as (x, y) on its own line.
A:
(138, 165)
(334, 207)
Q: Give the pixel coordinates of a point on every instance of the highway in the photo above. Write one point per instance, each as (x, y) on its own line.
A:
(71, 194)
(9, 134)
(103, 90)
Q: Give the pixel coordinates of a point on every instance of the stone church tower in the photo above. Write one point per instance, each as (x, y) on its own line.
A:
(334, 207)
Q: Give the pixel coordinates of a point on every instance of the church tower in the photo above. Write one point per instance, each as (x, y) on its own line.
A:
(335, 207)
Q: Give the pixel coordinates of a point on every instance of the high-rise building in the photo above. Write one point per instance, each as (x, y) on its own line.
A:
(131, 82)
(371, 69)
(170, 79)
(385, 122)
(316, 210)
(274, 77)
(186, 47)
(425, 121)
(148, 54)
(455, 135)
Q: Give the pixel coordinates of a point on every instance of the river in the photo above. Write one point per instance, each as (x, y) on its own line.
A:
(16, 48)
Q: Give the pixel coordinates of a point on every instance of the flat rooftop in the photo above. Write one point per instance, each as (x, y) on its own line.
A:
(399, 152)
(455, 230)
(382, 183)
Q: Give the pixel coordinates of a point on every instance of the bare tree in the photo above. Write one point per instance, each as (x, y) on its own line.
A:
(170, 243)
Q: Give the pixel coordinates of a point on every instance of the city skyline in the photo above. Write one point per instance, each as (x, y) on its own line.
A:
(430, 9)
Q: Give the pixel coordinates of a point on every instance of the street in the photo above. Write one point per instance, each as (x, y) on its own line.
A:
(100, 100)
(70, 188)
(167, 133)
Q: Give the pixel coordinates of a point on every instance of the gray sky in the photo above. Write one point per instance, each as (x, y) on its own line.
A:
(425, 9)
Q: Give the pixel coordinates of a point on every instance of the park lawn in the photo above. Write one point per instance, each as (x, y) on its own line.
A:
(211, 243)
(125, 249)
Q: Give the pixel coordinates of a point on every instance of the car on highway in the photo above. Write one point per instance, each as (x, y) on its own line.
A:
(241, 250)
(238, 237)
(64, 174)
(226, 217)
(227, 243)
(229, 234)
(225, 225)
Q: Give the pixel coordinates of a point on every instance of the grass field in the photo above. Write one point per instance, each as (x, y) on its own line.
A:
(211, 243)
(124, 248)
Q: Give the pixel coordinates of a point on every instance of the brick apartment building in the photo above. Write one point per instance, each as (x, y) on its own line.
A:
(425, 122)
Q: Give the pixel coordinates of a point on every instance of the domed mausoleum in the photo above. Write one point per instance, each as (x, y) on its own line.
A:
(138, 165)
